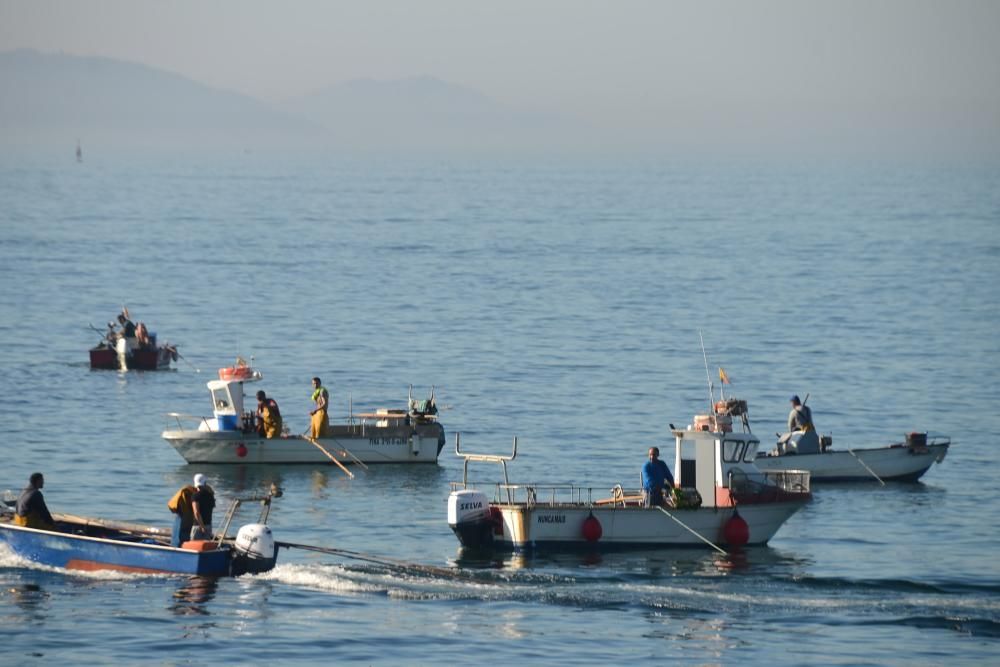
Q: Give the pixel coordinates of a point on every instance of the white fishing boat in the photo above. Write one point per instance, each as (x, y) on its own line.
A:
(807, 450)
(230, 435)
(720, 498)
(904, 461)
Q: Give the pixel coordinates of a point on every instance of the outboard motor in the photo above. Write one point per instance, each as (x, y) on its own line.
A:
(470, 518)
(255, 550)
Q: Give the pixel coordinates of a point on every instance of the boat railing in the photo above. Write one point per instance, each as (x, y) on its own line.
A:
(487, 458)
(200, 419)
(534, 495)
(794, 481)
(542, 495)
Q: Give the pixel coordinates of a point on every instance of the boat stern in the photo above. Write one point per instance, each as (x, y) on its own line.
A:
(471, 519)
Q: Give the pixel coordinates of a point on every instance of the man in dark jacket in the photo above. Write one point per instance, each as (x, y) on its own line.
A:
(31, 511)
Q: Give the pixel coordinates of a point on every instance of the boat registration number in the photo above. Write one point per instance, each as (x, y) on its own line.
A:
(387, 441)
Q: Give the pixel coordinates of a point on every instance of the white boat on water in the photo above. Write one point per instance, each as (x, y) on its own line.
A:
(411, 435)
(721, 498)
(904, 461)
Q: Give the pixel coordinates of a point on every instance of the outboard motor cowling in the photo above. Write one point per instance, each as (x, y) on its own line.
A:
(470, 518)
(255, 549)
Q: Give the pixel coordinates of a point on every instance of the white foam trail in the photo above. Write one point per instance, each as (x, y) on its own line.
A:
(319, 577)
(9, 559)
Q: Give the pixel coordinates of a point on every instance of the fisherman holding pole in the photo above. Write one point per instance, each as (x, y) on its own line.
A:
(801, 430)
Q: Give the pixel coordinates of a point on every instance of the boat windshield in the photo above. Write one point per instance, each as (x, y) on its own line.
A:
(220, 398)
(734, 451)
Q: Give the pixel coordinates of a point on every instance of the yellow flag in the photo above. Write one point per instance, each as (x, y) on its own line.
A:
(723, 377)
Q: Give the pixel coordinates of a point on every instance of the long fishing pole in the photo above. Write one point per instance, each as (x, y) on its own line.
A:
(330, 456)
(181, 356)
(104, 334)
(348, 453)
(708, 376)
(694, 532)
(378, 560)
(880, 480)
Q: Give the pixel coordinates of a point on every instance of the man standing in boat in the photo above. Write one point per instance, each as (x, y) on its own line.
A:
(202, 504)
(127, 340)
(182, 507)
(655, 477)
(31, 511)
(268, 416)
(320, 417)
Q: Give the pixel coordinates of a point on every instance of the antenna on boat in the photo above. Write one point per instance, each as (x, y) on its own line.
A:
(708, 375)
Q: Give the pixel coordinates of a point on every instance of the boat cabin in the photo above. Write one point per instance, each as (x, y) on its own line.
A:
(228, 400)
(718, 461)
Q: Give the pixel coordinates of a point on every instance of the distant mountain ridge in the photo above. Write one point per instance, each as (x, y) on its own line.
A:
(58, 98)
(43, 95)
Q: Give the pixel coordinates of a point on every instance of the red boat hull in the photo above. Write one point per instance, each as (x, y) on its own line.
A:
(140, 360)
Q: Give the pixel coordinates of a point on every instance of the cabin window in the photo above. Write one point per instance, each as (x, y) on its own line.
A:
(751, 452)
(221, 399)
(732, 450)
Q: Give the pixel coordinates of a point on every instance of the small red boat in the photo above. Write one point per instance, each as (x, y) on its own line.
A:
(131, 348)
(103, 357)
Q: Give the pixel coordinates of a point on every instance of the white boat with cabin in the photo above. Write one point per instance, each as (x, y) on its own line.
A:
(411, 435)
(721, 498)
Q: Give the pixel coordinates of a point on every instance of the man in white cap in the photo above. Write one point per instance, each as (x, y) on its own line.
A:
(203, 502)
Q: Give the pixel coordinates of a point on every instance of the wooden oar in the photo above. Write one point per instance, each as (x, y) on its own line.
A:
(694, 532)
(329, 455)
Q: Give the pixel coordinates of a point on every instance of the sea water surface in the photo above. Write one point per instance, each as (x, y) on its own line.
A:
(559, 301)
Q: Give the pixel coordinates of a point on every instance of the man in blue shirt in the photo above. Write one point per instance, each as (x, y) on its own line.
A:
(655, 476)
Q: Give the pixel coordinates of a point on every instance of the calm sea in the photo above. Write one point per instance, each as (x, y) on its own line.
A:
(557, 301)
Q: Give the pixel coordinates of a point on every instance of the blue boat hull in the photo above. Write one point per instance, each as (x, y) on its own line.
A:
(81, 552)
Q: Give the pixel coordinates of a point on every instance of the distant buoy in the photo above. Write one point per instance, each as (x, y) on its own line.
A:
(592, 529)
(736, 532)
(241, 450)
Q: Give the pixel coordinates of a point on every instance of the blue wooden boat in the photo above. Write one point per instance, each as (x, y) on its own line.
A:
(82, 543)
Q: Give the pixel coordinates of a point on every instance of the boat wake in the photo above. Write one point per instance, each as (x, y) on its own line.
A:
(856, 603)
(328, 578)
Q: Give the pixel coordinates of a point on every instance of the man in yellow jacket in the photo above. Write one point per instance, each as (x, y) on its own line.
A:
(268, 416)
(183, 508)
(320, 418)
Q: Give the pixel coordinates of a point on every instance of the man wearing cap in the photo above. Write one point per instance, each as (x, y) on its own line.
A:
(800, 419)
(181, 506)
(202, 504)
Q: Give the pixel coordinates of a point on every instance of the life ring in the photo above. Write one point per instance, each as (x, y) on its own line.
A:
(236, 373)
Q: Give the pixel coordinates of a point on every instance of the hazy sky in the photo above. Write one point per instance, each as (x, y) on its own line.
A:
(909, 71)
